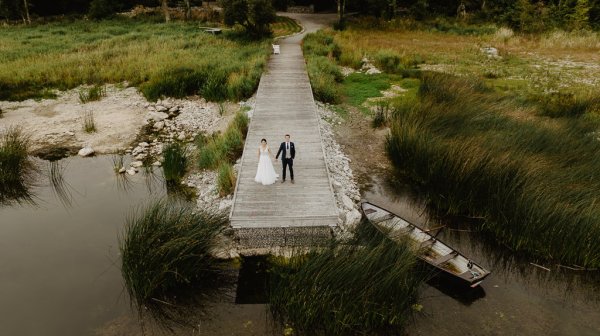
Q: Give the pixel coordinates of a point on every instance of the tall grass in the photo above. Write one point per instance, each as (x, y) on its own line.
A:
(166, 247)
(17, 171)
(321, 53)
(174, 163)
(533, 180)
(347, 289)
(227, 147)
(170, 60)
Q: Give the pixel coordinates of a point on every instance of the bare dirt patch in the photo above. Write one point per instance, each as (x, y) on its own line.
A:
(58, 123)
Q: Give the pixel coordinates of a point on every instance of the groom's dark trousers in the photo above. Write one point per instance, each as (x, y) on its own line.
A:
(290, 163)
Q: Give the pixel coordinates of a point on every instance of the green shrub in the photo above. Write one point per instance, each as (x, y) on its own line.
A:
(100, 9)
(176, 82)
(166, 247)
(225, 148)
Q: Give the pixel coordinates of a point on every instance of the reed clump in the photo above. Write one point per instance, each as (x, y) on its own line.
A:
(166, 247)
(227, 147)
(174, 165)
(17, 171)
(533, 181)
(346, 289)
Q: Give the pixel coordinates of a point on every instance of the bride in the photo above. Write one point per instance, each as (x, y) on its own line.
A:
(265, 173)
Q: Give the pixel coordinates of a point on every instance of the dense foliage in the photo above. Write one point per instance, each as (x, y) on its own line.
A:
(254, 15)
(525, 15)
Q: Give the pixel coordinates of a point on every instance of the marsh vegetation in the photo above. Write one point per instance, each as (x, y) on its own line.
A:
(17, 170)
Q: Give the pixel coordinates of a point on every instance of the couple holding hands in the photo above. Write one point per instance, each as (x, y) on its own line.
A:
(265, 173)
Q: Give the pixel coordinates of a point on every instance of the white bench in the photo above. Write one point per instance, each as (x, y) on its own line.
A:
(275, 48)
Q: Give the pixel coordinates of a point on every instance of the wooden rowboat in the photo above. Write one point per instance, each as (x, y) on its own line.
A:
(429, 248)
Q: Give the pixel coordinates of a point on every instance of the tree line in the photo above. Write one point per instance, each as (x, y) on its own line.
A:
(522, 15)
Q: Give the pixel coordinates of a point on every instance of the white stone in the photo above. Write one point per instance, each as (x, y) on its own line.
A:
(373, 71)
(140, 157)
(136, 164)
(353, 218)
(122, 170)
(157, 116)
(348, 204)
(174, 109)
(143, 144)
(490, 52)
(161, 108)
(70, 133)
(181, 136)
(86, 151)
(157, 163)
(131, 171)
(159, 125)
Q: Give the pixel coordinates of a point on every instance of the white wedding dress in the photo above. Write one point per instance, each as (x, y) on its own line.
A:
(265, 173)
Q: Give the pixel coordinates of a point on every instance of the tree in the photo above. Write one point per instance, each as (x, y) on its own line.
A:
(26, 9)
(165, 8)
(254, 15)
(580, 18)
(188, 9)
(341, 9)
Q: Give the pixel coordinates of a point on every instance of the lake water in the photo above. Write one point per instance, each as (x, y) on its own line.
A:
(59, 271)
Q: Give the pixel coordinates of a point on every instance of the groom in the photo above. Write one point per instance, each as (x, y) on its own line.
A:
(287, 158)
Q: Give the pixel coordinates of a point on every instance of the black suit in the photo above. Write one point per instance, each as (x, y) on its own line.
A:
(289, 161)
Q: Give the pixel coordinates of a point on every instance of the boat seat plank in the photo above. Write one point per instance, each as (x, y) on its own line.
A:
(445, 258)
(383, 218)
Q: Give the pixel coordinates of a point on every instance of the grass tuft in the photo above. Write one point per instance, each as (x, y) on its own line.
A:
(174, 162)
(89, 125)
(17, 171)
(166, 247)
(93, 93)
(226, 179)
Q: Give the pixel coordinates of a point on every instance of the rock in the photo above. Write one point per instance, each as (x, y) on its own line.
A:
(373, 71)
(348, 204)
(122, 170)
(140, 157)
(132, 171)
(174, 109)
(159, 125)
(143, 144)
(157, 116)
(336, 185)
(490, 52)
(181, 136)
(70, 133)
(157, 164)
(353, 218)
(86, 151)
(136, 164)
(161, 108)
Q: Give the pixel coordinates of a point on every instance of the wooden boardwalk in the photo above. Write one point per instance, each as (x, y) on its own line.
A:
(284, 214)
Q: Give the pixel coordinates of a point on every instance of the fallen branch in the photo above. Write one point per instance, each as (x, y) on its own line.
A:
(540, 266)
